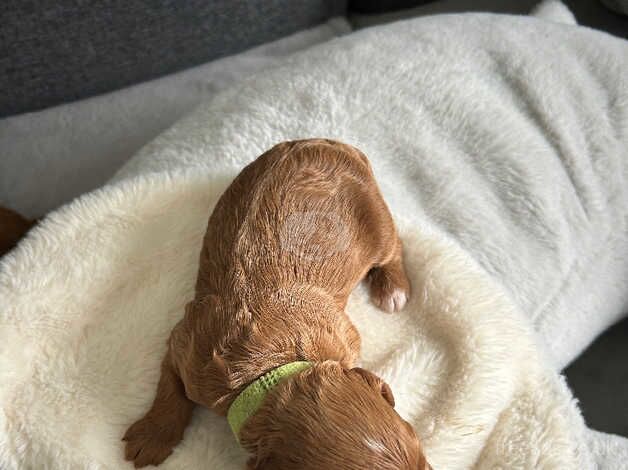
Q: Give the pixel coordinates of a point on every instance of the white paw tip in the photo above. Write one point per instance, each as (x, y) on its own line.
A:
(394, 302)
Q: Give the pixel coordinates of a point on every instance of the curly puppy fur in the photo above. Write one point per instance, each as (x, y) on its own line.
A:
(286, 244)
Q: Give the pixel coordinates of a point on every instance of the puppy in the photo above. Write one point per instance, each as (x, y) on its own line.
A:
(286, 244)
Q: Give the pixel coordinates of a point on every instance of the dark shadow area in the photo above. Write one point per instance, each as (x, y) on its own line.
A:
(599, 379)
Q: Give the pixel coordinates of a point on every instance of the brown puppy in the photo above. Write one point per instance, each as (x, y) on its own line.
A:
(286, 244)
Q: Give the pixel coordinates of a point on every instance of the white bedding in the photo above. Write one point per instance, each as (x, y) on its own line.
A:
(501, 146)
(49, 157)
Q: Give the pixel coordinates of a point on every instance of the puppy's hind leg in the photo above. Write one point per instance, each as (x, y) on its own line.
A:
(150, 440)
(388, 284)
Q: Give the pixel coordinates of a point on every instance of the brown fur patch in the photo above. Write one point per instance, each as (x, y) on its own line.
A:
(12, 228)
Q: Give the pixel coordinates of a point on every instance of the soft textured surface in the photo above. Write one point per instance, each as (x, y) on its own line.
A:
(56, 51)
(51, 156)
(554, 10)
(500, 145)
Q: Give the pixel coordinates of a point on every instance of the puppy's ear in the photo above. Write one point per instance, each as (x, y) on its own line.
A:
(377, 383)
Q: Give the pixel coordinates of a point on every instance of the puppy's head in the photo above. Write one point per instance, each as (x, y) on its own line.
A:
(331, 417)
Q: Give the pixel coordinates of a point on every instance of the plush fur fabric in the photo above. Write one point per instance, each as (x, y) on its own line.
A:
(500, 146)
(82, 363)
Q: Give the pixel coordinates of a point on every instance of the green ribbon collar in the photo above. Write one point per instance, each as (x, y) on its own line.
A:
(252, 397)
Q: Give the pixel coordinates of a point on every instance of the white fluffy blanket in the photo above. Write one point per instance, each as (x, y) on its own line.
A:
(501, 146)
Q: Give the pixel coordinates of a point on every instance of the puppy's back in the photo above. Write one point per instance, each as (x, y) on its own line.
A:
(303, 212)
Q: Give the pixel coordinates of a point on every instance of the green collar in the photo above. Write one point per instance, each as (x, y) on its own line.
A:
(251, 398)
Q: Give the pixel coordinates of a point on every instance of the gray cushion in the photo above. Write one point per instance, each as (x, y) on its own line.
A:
(55, 51)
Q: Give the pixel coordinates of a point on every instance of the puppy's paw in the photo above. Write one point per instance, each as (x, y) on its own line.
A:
(388, 292)
(148, 443)
(390, 302)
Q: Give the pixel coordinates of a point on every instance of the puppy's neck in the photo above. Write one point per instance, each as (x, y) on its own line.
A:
(289, 323)
(308, 323)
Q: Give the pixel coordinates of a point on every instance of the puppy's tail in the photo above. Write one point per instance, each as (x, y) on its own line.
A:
(12, 228)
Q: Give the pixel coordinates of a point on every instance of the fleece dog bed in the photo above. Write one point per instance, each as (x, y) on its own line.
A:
(500, 144)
